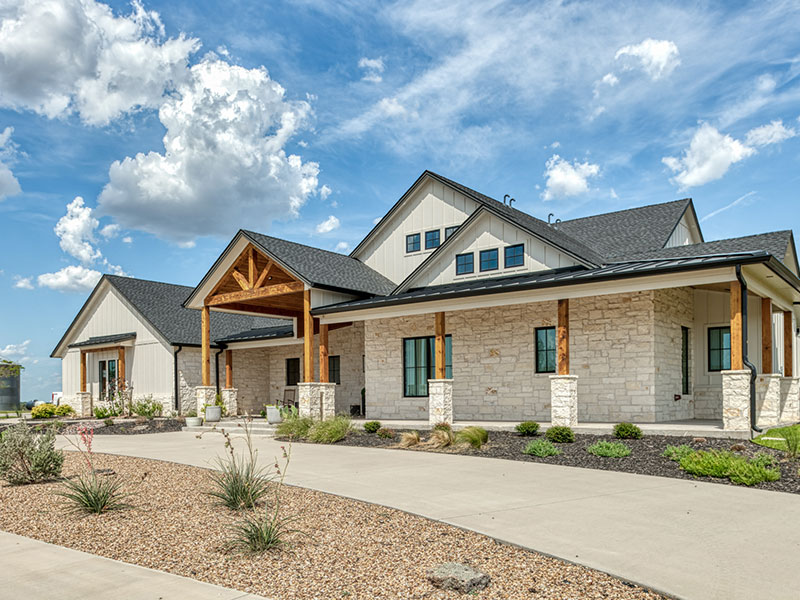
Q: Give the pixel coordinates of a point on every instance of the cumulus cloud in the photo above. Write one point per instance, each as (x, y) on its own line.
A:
(23, 283)
(565, 179)
(63, 56)
(127, 239)
(9, 186)
(223, 162)
(15, 352)
(328, 225)
(73, 278)
(657, 58)
(324, 192)
(343, 247)
(373, 69)
(772, 133)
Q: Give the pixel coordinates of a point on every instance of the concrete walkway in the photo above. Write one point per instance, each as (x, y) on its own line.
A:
(36, 570)
(693, 540)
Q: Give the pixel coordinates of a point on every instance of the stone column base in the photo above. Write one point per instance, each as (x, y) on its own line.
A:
(440, 401)
(327, 392)
(310, 401)
(789, 410)
(229, 400)
(768, 399)
(82, 404)
(204, 394)
(564, 400)
(736, 400)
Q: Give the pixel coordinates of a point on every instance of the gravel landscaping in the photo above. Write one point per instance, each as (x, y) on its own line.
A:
(350, 549)
(646, 456)
(120, 426)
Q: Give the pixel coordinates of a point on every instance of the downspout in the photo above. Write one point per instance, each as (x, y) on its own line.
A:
(745, 360)
(175, 378)
(216, 366)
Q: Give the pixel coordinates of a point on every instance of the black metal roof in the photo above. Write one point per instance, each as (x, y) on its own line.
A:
(262, 333)
(105, 339)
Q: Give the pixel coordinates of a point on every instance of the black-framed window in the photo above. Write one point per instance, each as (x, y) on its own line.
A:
(334, 369)
(514, 256)
(465, 263)
(448, 231)
(719, 348)
(489, 260)
(432, 239)
(292, 371)
(545, 349)
(412, 243)
(419, 364)
(685, 360)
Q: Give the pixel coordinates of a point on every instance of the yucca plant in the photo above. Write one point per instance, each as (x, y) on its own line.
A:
(94, 494)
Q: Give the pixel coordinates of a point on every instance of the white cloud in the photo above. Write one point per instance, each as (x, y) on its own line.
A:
(324, 192)
(657, 58)
(736, 202)
(23, 283)
(226, 130)
(373, 67)
(74, 278)
(75, 231)
(328, 225)
(15, 352)
(9, 185)
(772, 133)
(610, 79)
(110, 231)
(127, 239)
(343, 247)
(64, 56)
(565, 179)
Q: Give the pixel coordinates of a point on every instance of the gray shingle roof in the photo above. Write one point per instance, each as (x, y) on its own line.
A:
(104, 339)
(322, 267)
(627, 232)
(775, 243)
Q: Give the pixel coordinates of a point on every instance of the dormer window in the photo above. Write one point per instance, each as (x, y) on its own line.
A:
(412, 243)
(489, 260)
(431, 239)
(448, 231)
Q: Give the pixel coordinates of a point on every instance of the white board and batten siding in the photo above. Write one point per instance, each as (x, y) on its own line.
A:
(686, 232)
(432, 206)
(320, 297)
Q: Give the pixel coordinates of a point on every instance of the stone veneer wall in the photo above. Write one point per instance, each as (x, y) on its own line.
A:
(674, 308)
(189, 376)
(250, 379)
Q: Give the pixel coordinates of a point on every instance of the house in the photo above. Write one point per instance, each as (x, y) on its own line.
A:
(457, 306)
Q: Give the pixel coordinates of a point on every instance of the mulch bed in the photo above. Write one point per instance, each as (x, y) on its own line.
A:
(121, 425)
(645, 458)
(349, 549)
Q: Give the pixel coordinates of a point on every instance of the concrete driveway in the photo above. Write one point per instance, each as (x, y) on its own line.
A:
(691, 540)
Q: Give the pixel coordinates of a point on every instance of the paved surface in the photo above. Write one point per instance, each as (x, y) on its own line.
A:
(692, 540)
(34, 570)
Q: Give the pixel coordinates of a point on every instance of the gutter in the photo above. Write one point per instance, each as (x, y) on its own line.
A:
(745, 360)
(175, 378)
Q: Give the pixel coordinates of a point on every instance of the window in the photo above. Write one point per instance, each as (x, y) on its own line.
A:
(107, 371)
(684, 360)
(489, 260)
(431, 239)
(719, 348)
(465, 263)
(292, 371)
(448, 231)
(514, 256)
(419, 364)
(545, 349)
(412, 242)
(334, 369)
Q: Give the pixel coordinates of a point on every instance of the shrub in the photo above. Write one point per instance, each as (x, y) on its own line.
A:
(441, 438)
(560, 434)
(528, 428)
(108, 422)
(330, 431)
(43, 411)
(294, 427)
(541, 448)
(240, 482)
(26, 457)
(64, 410)
(609, 449)
(147, 408)
(627, 431)
(409, 438)
(443, 426)
(725, 464)
(102, 412)
(791, 437)
(372, 426)
(260, 532)
(676, 453)
(94, 494)
(386, 433)
(474, 436)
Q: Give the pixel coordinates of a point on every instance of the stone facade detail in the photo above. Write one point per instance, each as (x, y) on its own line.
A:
(673, 309)
(327, 399)
(204, 394)
(440, 401)
(789, 411)
(82, 404)
(564, 400)
(189, 377)
(736, 400)
(310, 399)
(229, 400)
(768, 399)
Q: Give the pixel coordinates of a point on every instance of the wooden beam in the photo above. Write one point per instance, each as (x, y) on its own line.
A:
(264, 274)
(121, 368)
(439, 360)
(766, 335)
(228, 369)
(308, 338)
(323, 354)
(737, 356)
(205, 361)
(83, 370)
(788, 336)
(267, 310)
(241, 280)
(225, 276)
(562, 337)
(251, 267)
(277, 289)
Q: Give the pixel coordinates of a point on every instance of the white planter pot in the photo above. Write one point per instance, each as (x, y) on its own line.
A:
(213, 414)
(273, 414)
(194, 421)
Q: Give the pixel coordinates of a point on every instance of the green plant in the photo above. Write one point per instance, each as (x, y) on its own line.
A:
(560, 434)
(609, 449)
(676, 453)
(43, 411)
(26, 457)
(791, 439)
(541, 448)
(528, 428)
(191, 413)
(288, 412)
(294, 427)
(93, 493)
(627, 431)
(108, 422)
(409, 438)
(441, 438)
(64, 410)
(386, 433)
(443, 426)
(330, 431)
(474, 436)
(147, 408)
(372, 426)
(725, 464)
(102, 412)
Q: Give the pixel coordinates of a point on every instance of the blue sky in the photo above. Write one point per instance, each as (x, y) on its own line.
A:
(137, 138)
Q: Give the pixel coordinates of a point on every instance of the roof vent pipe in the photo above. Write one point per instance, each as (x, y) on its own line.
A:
(505, 198)
(511, 201)
(745, 360)
(550, 216)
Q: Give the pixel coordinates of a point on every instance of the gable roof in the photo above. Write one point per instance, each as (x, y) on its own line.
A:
(628, 232)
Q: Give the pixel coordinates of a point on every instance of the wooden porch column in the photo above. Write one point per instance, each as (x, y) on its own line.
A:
(121, 368)
(562, 337)
(308, 339)
(323, 354)
(83, 370)
(441, 366)
(205, 363)
(228, 369)
(788, 335)
(737, 358)
(766, 335)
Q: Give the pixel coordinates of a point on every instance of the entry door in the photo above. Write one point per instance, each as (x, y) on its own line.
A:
(107, 372)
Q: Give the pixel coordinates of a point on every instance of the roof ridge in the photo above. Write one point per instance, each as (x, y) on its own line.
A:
(739, 237)
(622, 210)
(112, 276)
(272, 237)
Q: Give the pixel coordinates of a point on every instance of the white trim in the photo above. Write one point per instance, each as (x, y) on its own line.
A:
(263, 343)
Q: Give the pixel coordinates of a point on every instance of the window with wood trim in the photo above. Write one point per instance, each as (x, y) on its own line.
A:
(719, 348)
(545, 349)
(432, 239)
(514, 256)
(292, 371)
(419, 364)
(489, 260)
(685, 371)
(412, 243)
(334, 369)
(465, 263)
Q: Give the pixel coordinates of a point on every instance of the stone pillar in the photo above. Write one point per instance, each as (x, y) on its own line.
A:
(204, 394)
(310, 400)
(440, 401)
(768, 399)
(82, 404)
(790, 400)
(736, 400)
(327, 393)
(229, 400)
(564, 400)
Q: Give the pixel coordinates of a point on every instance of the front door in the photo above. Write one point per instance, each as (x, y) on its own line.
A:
(107, 371)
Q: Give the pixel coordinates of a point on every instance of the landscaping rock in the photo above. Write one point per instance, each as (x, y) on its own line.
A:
(458, 577)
